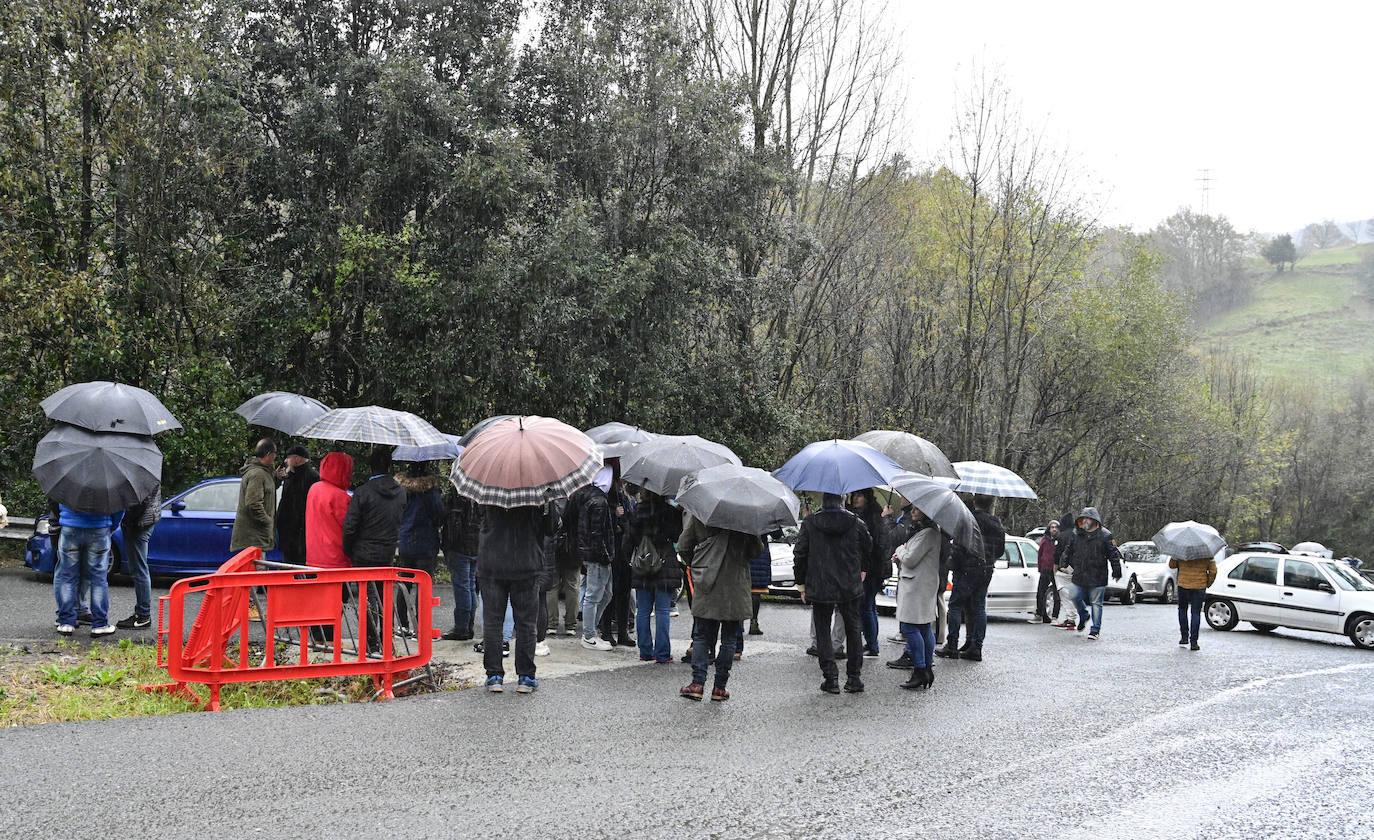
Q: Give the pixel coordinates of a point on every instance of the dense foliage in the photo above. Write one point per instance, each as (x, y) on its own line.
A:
(668, 213)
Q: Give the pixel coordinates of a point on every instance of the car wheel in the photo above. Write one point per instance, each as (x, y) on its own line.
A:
(1132, 592)
(1360, 628)
(1221, 614)
(1264, 628)
(1170, 593)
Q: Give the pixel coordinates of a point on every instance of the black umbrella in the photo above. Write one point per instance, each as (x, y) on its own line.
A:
(98, 473)
(110, 407)
(471, 434)
(618, 440)
(281, 410)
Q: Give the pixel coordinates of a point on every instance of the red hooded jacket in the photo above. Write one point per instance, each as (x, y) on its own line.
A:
(325, 507)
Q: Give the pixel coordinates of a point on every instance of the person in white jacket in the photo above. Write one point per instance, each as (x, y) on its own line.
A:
(918, 569)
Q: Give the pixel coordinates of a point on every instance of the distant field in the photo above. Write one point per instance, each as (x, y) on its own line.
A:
(1307, 325)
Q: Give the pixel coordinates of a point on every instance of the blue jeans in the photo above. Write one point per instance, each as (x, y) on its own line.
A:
(1085, 596)
(595, 597)
(868, 617)
(969, 600)
(659, 601)
(83, 552)
(708, 631)
(920, 643)
(136, 561)
(1190, 612)
(463, 569)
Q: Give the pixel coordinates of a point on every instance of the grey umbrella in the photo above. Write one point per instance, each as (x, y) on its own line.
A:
(661, 465)
(471, 434)
(910, 452)
(739, 499)
(619, 440)
(280, 410)
(941, 506)
(373, 424)
(98, 473)
(110, 407)
(1189, 540)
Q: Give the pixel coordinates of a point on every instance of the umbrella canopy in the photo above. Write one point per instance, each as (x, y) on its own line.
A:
(989, 480)
(911, 453)
(97, 473)
(661, 465)
(447, 451)
(373, 424)
(524, 461)
(1189, 540)
(619, 440)
(280, 410)
(110, 407)
(471, 434)
(941, 506)
(739, 498)
(837, 466)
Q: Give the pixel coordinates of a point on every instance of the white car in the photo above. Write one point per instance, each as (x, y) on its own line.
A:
(780, 552)
(1150, 571)
(1012, 589)
(1305, 593)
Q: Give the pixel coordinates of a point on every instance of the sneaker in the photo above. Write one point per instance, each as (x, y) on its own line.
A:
(541, 649)
(505, 649)
(495, 684)
(719, 695)
(692, 691)
(103, 631)
(455, 636)
(831, 686)
(1092, 637)
(739, 655)
(871, 654)
(901, 663)
(1194, 646)
(643, 658)
(133, 622)
(853, 686)
(811, 651)
(571, 631)
(898, 638)
(1066, 625)
(66, 629)
(528, 685)
(675, 614)
(479, 647)
(1082, 625)
(1183, 640)
(596, 644)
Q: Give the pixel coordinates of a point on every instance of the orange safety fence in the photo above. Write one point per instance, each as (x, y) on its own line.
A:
(303, 599)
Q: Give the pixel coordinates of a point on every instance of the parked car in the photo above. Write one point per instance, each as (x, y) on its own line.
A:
(780, 551)
(191, 537)
(1305, 593)
(1260, 546)
(1150, 571)
(1011, 591)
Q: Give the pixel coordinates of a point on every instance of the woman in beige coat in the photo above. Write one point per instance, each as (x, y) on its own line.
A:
(918, 562)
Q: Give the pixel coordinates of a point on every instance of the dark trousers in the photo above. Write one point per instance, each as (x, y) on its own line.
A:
(969, 602)
(868, 614)
(615, 620)
(1046, 592)
(1190, 612)
(406, 607)
(523, 596)
(821, 616)
(706, 633)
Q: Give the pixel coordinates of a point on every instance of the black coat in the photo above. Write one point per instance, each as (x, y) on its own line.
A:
(831, 551)
(291, 512)
(1089, 552)
(372, 525)
(994, 535)
(662, 524)
(462, 526)
(512, 545)
(595, 538)
(879, 562)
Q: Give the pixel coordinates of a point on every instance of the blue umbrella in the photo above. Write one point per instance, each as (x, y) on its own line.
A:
(837, 466)
(435, 452)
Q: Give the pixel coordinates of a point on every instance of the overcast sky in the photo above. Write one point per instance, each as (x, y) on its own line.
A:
(1279, 105)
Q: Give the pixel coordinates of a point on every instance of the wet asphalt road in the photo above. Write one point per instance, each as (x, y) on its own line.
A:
(1051, 736)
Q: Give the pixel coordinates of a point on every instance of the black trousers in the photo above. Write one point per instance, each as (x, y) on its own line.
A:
(1046, 592)
(821, 616)
(523, 596)
(615, 620)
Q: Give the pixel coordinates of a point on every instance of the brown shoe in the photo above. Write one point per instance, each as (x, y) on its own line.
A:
(693, 691)
(719, 695)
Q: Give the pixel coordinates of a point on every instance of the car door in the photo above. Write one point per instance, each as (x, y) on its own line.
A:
(1309, 600)
(1006, 592)
(192, 536)
(1030, 559)
(1253, 586)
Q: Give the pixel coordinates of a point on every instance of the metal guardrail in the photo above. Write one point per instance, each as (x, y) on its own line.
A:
(21, 528)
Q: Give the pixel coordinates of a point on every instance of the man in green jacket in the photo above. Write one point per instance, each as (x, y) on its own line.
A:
(254, 523)
(718, 561)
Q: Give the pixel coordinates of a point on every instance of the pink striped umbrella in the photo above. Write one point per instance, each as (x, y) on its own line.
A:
(524, 461)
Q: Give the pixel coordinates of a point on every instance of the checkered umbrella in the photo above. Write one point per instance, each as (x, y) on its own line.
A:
(988, 480)
(1189, 540)
(373, 424)
(523, 461)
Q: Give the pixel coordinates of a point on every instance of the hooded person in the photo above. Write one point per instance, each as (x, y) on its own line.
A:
(325, 507)
(1089, 549)
(296, 482)
(829, 561)
(417, 542)
(655, 573)
(371, 530)
(595, 547)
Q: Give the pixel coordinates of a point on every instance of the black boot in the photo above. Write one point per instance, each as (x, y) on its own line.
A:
(916, 680)
(901, 663)
(966, 646)
(949, 651)
(930, 676)
(973, 654)
(754, 629)
(831, 685)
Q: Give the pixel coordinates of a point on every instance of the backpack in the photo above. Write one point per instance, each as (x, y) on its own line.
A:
(646, 562)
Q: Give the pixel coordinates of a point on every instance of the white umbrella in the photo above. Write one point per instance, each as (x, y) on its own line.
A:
(1189, 540)
(373, 424)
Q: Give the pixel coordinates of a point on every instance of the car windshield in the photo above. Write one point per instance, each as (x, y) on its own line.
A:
(1141, 554)
(1347, 578)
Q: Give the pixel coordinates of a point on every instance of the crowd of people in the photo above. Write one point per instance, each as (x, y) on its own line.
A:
(609, 564)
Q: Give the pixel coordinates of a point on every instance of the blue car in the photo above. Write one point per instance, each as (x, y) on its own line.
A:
(191, 537)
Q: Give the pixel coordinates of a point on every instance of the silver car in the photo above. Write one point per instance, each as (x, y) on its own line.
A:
(1147, 573)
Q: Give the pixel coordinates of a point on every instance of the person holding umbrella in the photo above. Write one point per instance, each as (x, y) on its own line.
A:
(718, 561)
(829, 561)
(654, 527)
(255, 519)
(972, 575)
(297, 477)
(918, 562)
(84, 554)
(1192, 549)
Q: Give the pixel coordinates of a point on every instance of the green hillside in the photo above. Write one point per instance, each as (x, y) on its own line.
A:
(1308, 325)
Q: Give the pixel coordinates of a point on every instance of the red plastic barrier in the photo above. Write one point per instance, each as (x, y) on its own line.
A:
(299, 599)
